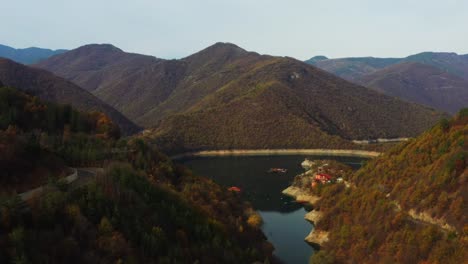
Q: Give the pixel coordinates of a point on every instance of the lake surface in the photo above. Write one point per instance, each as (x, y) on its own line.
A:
(284, 222)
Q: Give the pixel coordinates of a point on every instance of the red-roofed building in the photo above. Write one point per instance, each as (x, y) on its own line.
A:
(323, 177)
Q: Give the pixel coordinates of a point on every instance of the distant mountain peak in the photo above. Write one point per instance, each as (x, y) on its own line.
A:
(316, 59)
(219, 52)
(224, 45)
(220, 49)
(100, 47)
(319, 58)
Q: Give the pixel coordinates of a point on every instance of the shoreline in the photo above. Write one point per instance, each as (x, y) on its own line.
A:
(270, 152)
(316, 237)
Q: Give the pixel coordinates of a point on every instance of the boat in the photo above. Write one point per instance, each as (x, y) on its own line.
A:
(234, 189)
(277, 170)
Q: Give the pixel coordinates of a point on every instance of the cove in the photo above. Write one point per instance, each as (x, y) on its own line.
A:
(284, 223)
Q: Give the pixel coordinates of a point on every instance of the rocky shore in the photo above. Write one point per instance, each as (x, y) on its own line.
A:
(317, 238)
(300, 195)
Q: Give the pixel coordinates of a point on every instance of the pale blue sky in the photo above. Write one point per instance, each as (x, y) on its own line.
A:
(296, 28)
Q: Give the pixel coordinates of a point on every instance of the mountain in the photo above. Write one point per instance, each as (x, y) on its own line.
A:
(421, 83)
(28, 55)
(49, 87)
(352, 68)
(355, 68)
(132, 83)
(226, 97)
(406, 206)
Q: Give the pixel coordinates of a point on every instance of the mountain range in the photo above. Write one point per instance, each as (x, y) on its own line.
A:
(227, 97)
(28, 55)
(47, 86)
(435, 79)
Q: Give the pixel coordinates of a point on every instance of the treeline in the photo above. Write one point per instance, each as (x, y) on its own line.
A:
(371, 222)
(28, 113)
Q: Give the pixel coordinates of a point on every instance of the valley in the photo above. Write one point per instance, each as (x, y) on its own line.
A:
(119, 157)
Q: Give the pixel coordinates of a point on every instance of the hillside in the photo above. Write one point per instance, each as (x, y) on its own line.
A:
(421, 83)
(49, 87)
(129, 204)
(406, 206)
(226, 97)
(28, 55)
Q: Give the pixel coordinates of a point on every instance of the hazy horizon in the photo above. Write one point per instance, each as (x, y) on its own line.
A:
(299, 29)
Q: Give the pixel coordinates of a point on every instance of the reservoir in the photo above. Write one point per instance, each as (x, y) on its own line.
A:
(283, 219)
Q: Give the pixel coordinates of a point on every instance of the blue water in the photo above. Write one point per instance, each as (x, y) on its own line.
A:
(284, 223)
(286, 231)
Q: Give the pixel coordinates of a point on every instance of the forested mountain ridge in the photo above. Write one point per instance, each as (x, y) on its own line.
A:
(406, 206)
(28, 55)
(52, 88)
(141, 209)
(226, 97)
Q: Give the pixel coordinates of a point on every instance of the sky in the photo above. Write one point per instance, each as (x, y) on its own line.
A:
(296, 28)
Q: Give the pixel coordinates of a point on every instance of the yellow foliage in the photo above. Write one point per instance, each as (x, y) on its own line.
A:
(255, 220)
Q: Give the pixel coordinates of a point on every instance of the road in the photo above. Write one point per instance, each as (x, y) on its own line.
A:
(79, 177)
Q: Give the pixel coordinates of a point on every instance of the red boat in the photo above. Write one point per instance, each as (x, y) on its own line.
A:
(234, 189)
